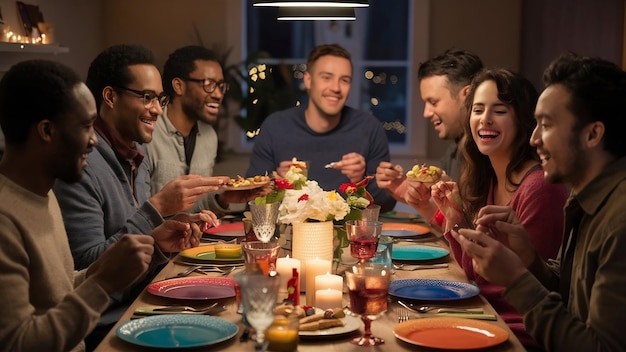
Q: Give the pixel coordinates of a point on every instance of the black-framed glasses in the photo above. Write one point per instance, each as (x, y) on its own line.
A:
(149, 97)
(209, 85)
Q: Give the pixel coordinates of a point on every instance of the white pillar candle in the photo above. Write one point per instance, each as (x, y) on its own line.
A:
(284, 268)
(328, 299)
(312, 268)
(329, 280)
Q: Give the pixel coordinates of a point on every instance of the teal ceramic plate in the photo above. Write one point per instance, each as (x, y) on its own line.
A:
(417, 252)
(176, 331)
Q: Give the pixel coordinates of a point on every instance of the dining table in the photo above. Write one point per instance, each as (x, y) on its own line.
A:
(382, 327)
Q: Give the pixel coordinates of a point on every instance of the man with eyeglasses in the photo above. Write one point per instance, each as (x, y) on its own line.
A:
(184, 140)
(104, 205)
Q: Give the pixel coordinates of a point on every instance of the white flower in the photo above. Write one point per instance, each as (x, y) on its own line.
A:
(312, 203)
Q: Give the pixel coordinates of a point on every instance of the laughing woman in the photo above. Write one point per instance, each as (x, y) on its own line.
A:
(501, 168)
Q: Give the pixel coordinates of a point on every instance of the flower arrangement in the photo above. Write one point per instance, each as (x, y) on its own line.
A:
(312, 203)
(303, 200)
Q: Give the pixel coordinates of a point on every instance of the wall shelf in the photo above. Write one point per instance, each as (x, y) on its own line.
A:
(32, 48)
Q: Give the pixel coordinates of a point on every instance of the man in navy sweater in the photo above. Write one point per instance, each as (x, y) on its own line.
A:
(340, 143)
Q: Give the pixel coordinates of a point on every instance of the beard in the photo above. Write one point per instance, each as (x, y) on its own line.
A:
(197, 112)
(575, 161)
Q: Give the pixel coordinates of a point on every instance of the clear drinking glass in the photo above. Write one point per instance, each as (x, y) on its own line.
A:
(371, 213)
(367, 286)
(264, 254)
(363, 237)
(264, 218)
(383, 252)
(259, 293)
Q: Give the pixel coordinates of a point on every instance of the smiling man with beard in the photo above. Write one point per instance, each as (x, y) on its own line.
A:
(49, 306)
(105, 204)
(184, 140)
(577, 301)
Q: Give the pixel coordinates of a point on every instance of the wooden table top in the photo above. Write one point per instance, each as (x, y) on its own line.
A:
(382, 327)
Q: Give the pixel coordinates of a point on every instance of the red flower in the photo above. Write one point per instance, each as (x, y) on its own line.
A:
(303, 197)
(282, 183)
(345, 187)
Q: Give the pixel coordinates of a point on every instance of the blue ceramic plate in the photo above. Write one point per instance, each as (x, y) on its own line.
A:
(176, 331)
(417, 252)
(432, 289)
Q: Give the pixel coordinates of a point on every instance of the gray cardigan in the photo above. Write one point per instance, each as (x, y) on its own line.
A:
(98, 210)
(165, 161)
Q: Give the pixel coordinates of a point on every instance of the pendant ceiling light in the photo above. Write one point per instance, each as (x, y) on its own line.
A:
(316, 14)
(317, 3)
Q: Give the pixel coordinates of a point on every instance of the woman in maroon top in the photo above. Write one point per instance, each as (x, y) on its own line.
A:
(500, 167)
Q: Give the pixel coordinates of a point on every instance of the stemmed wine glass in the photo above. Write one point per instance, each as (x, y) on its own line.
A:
(259, 293)
(264, 218)
(363, 237)
(367, 286)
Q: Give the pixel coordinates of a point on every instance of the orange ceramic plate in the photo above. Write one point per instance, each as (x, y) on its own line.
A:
(450, 333)
(408, 229)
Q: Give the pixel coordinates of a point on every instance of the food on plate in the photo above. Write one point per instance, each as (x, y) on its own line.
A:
(426, 174)
(240, 181)
(288, 309)
(330, 318)
(321, 324)
(327, 319)
(228, 251)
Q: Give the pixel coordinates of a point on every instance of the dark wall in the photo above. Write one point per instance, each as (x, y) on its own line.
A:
(586, 27)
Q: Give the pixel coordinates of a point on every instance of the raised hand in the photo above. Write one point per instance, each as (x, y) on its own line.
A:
(123, 263)
(182, 231)
(181, 193)
(446, 196)
(392, 178)
(490, 258)
(352, 165)
(501, 223)
(418, 196)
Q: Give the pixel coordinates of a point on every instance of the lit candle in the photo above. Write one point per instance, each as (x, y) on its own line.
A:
(312, 268)
(282, 335)
(284, 268)
(328, 299)
(328, 280)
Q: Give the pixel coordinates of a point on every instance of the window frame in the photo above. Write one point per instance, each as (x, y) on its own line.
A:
(418, 44)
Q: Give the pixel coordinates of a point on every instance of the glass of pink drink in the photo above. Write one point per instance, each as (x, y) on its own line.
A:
(363, 237)
(367, 286)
